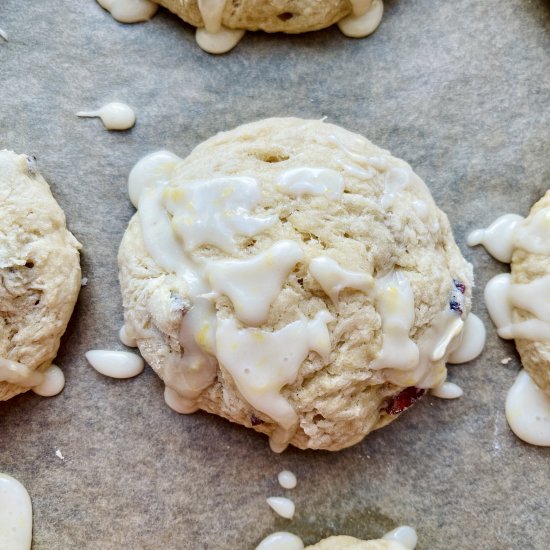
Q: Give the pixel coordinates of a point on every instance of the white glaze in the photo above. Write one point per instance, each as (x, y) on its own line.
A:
(281, 541)
(125, 338)
(262, 362)
(115, 364)
(333, 278)
(501, 296)
(358, 26)
(17, 373)
(298, 182)
(59, 454)
(498, 238)
(447, 390)
(3, 35)
(282, 506)
(528, 411)
(212, 13)
(395, 305)
(15, 515)
(53, 383)
(179, 403)
(471, 343)
(253, 284)
(215, 211)
(403, 534)
(221, 42)
(115, 116)
(533, 234)
(130, 11)
(153, 170)
(396, 181)
(287, 479)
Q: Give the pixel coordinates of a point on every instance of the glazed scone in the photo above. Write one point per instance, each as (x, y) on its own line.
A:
(292, 277)
(222, 23)
(39, 274)
(530, 266)
(343, 542)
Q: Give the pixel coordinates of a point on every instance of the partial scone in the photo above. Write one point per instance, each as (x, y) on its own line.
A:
(221, 23)
(39, 275)
(290, 276)
(343, 542)
(531, 266)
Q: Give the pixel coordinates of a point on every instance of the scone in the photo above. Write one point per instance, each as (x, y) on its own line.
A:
(531, 267)
(343, 542)
(292, 277)
(222, 23)
(39, 275)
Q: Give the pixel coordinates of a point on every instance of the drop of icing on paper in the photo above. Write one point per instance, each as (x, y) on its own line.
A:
(53, 383)
(281, 541)
(447, 390)
(359, 25)
(115, 116)
(153, 170)
(15, 515)
(472, 342)
(130, 11)
(528, 411)
(282, 506)
(115, 364)
(287, 479)
(403, 534)
(3, 35)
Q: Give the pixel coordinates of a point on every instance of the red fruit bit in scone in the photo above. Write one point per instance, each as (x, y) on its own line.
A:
(398, 403)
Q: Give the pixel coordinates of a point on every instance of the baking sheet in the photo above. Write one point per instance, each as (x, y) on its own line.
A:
(459, 89)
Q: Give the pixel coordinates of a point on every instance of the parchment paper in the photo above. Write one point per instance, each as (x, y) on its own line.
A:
(459, 89)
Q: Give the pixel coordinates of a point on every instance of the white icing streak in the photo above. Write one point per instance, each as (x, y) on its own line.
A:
(498, 238)
(395, 305)
(471, 343)
(153, 170)
(528, 411)
(403, 534)
(358, 25)
(3, 35)
(262, 362)
(115, 116)
(15, 515)
(395, 181)
(214, 211)
(53, 383)
(311, 181)
(501, 296)
(533, 234)
(333, 278)
(254, 283)
(447, 390)
(282, 506)
(130, 11)
(17, 373)
(115, 364)
(212, 13)
(281, 541)
(287, 479)
(126, 338)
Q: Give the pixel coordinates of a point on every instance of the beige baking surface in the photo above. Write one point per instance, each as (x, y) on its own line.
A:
(459, 89)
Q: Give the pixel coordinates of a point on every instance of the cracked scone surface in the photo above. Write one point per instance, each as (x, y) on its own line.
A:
(39, 268)
(526, 267)
(372, 227)
(343, 542)
(290, 16)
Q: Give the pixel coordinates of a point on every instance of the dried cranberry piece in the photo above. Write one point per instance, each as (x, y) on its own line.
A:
(398, 403)
(255, 421)
(460, 286)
